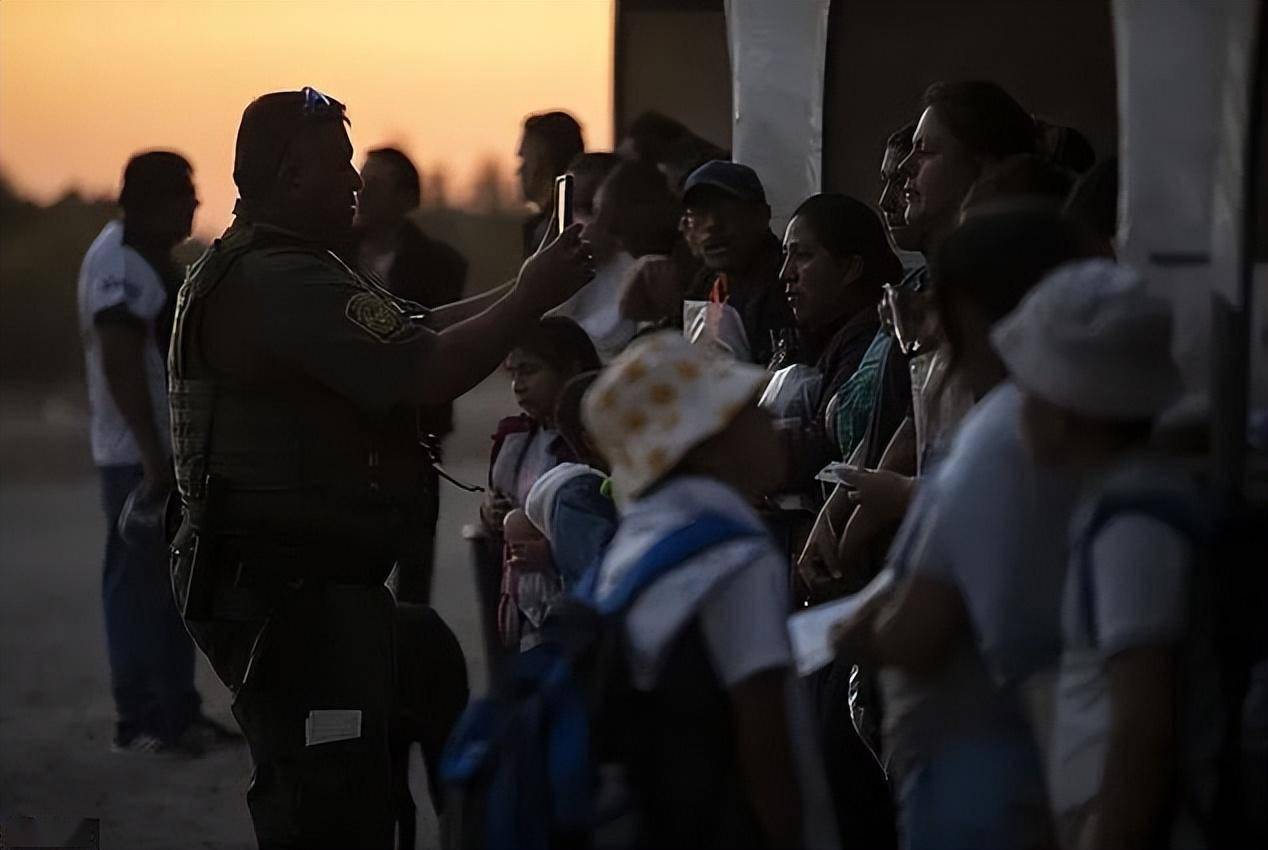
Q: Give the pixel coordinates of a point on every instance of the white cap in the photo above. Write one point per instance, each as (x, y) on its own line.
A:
(1090, 339)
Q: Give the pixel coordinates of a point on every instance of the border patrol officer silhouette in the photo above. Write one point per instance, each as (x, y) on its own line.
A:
(294, 382)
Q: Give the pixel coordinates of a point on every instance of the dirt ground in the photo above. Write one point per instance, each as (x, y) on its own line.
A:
(56, 714)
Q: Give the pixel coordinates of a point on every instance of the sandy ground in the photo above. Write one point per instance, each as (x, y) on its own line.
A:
(56, 714)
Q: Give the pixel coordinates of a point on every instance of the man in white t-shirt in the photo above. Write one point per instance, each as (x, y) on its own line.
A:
(126, 285)
(1137, 716)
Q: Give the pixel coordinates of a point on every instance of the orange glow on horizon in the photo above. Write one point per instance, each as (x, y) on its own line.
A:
(83, 85)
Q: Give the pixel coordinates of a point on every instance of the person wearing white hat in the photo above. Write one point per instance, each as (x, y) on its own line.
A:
(706, 642)
(1135, 733)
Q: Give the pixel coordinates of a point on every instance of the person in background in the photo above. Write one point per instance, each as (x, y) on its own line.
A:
(891, 203)
(720, 755)
(393, 248)
(644, 215)
(554, 351)
(127, 285)
(1093, 202)
(391, 245)
(597, 306)
(1020, 176)
(1137, 724)
(726, 202)
(1064, 147)
(639, 210)
(651, 136)
(965, 639)
(549, 143)
(836, 259)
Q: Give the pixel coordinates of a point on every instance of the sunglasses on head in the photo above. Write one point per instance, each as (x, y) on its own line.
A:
(319, 105)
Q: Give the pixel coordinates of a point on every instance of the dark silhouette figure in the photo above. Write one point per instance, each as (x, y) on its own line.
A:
(393, 248)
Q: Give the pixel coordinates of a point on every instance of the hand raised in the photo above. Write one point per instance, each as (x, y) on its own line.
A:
(558, 269)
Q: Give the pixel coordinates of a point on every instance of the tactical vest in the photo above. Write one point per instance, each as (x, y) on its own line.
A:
(275, 466)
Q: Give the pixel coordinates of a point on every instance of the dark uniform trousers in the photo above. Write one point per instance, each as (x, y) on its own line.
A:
(294, 383)
(316, 708)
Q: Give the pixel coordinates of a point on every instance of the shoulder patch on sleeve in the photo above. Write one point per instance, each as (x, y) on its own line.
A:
(376, 316)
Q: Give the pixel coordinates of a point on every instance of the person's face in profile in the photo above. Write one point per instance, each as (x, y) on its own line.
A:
(938, 173)
(537, 179)
(729, 231)
(381, 204)
(892, 204)
(536, 384)
(597, 218)
(815, 282)
(318, 183)
(171, 218)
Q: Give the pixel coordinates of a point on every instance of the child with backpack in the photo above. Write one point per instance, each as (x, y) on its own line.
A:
(1137, 718)
(659, 709)
(719, 749)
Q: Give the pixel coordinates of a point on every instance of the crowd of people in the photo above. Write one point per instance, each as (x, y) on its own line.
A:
(948, 404)
(954, 388)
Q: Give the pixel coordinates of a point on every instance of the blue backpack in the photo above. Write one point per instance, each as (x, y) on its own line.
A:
(521, 770)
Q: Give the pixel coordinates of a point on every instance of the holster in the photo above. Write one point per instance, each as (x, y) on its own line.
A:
(194, 553)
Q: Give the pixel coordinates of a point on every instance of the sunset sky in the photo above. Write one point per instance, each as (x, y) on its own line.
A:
(85, 84)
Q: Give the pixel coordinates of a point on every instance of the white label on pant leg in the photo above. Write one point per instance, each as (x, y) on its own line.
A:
(325, 726)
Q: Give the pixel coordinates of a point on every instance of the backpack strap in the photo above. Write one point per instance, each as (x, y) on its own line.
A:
(569, 731)
(1172, 509)
(704, 532)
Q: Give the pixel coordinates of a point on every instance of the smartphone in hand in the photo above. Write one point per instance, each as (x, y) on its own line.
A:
(564, 188)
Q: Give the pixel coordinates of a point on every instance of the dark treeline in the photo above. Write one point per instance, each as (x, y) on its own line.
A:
(41, 248)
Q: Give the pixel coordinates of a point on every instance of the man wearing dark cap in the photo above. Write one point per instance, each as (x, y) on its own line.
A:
(126, 286)
(725, 204)
(294, 384)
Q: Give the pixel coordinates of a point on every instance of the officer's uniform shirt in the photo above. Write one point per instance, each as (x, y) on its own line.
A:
(294, 311)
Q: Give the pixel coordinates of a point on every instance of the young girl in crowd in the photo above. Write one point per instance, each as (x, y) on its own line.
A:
(718, 758)
(525, 447)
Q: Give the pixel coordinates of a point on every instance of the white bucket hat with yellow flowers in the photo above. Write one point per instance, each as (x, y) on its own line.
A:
(657, 401)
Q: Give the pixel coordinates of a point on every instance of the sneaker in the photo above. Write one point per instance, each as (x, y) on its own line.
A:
(141, 743)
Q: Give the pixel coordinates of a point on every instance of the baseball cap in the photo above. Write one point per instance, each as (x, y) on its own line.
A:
(738, 181)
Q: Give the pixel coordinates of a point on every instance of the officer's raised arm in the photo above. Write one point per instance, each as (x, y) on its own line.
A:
(464, 354)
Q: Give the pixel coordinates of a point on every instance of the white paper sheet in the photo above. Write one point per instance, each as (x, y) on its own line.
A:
(811, 630)
(325, 726)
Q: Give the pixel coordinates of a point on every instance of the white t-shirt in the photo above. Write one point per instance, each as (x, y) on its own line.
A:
(738, 590)
(597, 307)
(993, 524)
(114, 275)
(1141, 594)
